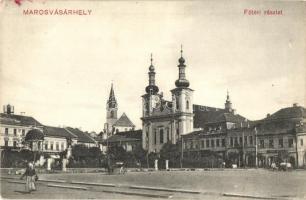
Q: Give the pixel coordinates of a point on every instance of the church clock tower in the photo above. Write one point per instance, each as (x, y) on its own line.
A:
(111, 112)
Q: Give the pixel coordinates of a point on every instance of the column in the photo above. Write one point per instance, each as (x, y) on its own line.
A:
(156, 165)
(167, 165)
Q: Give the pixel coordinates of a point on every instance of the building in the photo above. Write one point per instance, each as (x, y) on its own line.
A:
(127, 139)
(278, 137)
(13, 128)
(165, 121)
(82, 137)
(113, 124)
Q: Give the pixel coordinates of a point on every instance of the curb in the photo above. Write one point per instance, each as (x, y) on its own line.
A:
(66, 186)
(54, 181)
(139, 194)
(95, 184)
(247, 196)
(164, 189)
(18, 182)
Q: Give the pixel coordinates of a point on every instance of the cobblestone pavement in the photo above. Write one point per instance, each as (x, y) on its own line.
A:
(227, 184)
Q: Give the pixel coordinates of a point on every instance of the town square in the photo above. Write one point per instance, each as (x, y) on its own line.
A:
(152, 99)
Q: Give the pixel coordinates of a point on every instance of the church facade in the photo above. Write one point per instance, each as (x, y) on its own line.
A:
(166, 121)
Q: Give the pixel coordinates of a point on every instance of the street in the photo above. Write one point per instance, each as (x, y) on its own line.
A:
(227, 184)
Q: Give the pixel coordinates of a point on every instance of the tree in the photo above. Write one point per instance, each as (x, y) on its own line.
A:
(140, 154)
(171, 152)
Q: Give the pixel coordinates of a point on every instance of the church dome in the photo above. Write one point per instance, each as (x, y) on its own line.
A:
(181, 60)
(182, 83)
(152, 89)
(151, 68)
(34, 134)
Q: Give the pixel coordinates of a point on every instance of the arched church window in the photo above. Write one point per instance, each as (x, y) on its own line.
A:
(187, 104)
(112, 114)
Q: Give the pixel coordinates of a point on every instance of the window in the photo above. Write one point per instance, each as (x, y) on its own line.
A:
(168, 134)
(57, 146)
(46, 146)
(15, 132)
(271, 143)
(290, 142)
(155, 136)
(14, 144)
(301, 142)
(62, 146)
(6, 143)
(202, 144)
(23, 132)
(240, 140)
(245, 140)
(161, 136)
(207, 143)
(6, 131)
(262, 144)
(212, 143)
(280, 143)
(236, 141)
(51, 146)
(232, 141)
(251, 140)
(223, 142)
(187, 104)
(112, 114)
(191, 144)
(177, 133)
(217, 142)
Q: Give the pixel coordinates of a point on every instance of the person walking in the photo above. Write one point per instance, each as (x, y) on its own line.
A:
(31, 177)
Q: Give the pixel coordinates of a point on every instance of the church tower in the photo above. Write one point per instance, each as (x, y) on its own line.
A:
(228, 104)
(111, 112)
(182, 101)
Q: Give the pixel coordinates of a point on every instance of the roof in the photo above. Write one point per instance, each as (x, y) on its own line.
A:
(125, 136)
(34, 134)
(289, 112)
(137, 134)
(229, 117)
(121, 138)
(57, 132)
(82, 136)
(124, 121)
(285, 120)
(205, 114)
(18, 120)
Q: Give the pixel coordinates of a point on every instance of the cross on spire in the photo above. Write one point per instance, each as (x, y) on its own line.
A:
(181, 50)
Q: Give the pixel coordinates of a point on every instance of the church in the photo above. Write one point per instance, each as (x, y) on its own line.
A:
(203, 131)
(113, 124)
(166, 121)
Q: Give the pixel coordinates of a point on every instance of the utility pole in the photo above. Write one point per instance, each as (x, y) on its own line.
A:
(243, 153)
(182, 153)
(256, 158)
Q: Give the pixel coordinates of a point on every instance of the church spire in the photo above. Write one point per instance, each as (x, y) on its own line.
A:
(228, 103)
(182, 81)
(112, 102)
(152, 88)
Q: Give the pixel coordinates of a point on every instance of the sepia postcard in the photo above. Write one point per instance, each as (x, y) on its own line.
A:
(173, 99)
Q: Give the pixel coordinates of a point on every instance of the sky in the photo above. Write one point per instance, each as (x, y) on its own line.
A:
(59, 69)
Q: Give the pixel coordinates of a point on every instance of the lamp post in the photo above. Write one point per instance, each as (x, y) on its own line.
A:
(256, 157)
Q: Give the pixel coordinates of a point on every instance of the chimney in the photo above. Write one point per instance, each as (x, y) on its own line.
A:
(295, 105)
(268, 115)
(22, 113)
